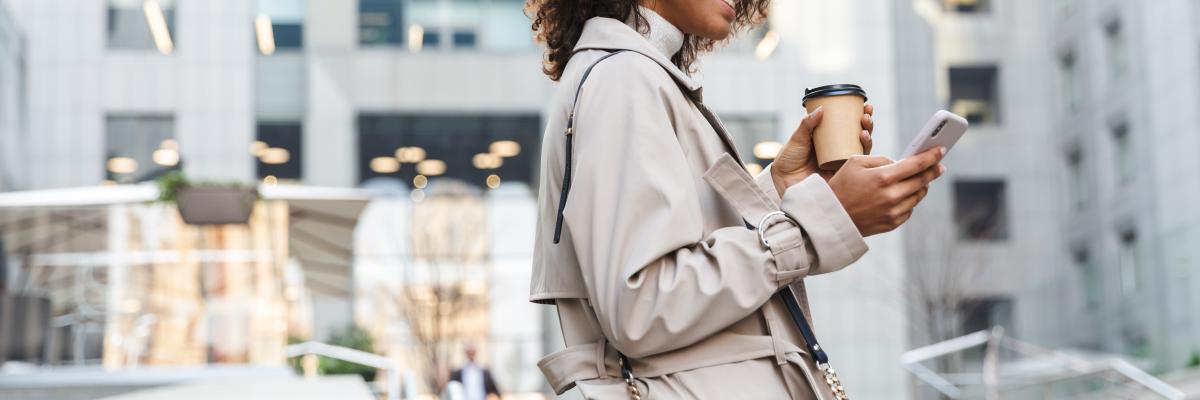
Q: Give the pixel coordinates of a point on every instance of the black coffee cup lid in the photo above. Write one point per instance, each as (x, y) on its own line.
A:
(834, 90)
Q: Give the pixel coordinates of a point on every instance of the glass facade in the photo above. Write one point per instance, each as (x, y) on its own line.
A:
(140, 147)
(487, 25)
(455, 140)
(974, 94)
(980, 211)
(287, 21)
(287, 136)
(381, 22)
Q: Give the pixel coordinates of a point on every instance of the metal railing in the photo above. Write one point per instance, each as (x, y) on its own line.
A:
(311, 350)
(992, 340)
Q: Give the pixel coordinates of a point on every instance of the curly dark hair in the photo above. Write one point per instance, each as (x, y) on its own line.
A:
(559, 23)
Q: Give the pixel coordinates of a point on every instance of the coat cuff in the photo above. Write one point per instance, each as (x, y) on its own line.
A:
(831, 233)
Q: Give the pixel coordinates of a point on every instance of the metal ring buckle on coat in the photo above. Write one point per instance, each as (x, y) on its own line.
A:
(762, 225)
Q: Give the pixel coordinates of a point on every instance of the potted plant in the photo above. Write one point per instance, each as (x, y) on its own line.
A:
(207, 203)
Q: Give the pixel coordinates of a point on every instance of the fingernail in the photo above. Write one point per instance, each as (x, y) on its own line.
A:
(941, 151)
(818, 110)
(941, 169)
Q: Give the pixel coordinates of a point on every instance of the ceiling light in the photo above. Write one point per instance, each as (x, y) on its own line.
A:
(420, 181)
(431, 167)
(487, 161)
(258, 147)
(416, 38)
(767, 150)
(166, 157)
(753, 168)
(505, 148)
(275, 156)
(385, 165)
(158, 26)
(169, 144)
(410, 155)
(270, 180)
(122, 165)
(493, 181)
(265, 33)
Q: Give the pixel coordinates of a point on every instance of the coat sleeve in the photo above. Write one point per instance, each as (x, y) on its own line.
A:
(656, 281)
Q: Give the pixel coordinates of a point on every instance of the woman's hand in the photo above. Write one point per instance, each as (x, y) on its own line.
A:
(797, 160)
(878, 194)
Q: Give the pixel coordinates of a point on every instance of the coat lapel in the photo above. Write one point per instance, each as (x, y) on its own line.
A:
(608, 34)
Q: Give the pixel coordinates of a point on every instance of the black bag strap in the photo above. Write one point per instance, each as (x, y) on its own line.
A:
(570, 132)
(786, 294)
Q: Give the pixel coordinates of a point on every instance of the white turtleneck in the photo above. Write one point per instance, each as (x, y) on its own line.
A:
(666, 38)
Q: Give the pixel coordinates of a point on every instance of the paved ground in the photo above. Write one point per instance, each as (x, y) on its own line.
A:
(347, 387)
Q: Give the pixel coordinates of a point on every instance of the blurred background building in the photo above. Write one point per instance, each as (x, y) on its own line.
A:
(395, 144)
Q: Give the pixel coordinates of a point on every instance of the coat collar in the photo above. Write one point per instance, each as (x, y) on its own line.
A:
(600, 33)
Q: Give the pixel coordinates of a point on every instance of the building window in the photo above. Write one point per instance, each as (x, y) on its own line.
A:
(967, 6)
(1072, 86)
(980, 210)
(466, 25)
(464, 39)
(1090, 280)
(466, 147)
(278, 151)
(380, 22)
(983, 314)
(286, 22)
(1114, 43)
(431, 39)
(1079, 184)
(1127, 257)
(140, 24)
(140, 148)
(973, 94)
(1123, 153)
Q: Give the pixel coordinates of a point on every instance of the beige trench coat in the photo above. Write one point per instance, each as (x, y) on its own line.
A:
(656, 260)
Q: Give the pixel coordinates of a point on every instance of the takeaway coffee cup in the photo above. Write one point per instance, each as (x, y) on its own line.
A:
(836, 139)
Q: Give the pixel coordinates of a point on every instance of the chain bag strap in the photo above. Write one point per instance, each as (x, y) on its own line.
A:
(810, 338)
(627, 375)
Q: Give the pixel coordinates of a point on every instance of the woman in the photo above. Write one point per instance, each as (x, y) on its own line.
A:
(663, 255)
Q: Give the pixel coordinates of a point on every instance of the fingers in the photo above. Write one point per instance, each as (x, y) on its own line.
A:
(867, 143)
(809, 124)
(869, 161)
(918, 182)
(908, 167)
(868, 123)
(869, 109)
(903, 211)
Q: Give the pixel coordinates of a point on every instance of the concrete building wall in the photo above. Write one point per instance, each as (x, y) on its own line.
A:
(1156, 98)
(1018, 150)
(13, 116)
(75, 81)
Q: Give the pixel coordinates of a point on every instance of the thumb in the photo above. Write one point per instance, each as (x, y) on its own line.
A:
(869, 161)
(809, 124)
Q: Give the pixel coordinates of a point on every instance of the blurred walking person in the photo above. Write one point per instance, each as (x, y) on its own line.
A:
(476, 381)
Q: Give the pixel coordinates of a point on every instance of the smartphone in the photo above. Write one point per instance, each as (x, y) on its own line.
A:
(943, 129)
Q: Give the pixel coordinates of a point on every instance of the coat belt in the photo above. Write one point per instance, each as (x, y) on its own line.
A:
(595, 360)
